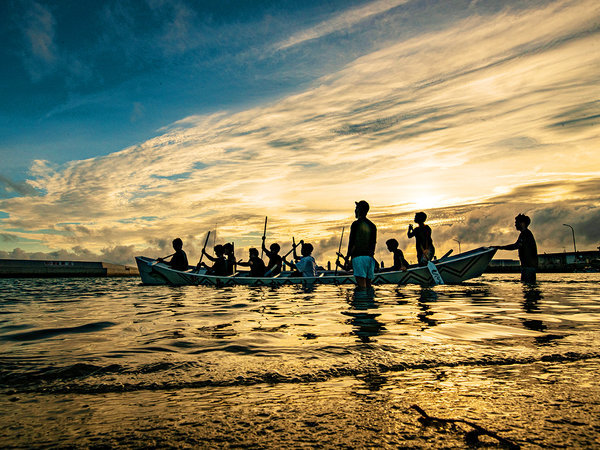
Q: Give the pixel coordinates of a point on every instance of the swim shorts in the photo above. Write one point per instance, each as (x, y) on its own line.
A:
(363, 266)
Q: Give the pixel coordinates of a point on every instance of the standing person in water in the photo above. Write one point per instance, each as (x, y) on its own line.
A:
(422, 235)
(257, 266)
(179, 259)
(361, 246)
(527, 249)
(275, 260)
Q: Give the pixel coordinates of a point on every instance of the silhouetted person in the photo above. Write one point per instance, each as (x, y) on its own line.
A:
(399, 262)
(257, 266)
(304, 265)
(424, 242)
(179, 259)
(361, 246)
(527, 249)
(228, 250)
(275, 260)
(219, 268)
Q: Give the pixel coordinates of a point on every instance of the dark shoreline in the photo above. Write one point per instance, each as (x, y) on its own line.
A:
(16, 268)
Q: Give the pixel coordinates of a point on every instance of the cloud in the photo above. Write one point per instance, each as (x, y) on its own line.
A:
(38, 32)
(19, 188)
(341, 21)
(463, 115)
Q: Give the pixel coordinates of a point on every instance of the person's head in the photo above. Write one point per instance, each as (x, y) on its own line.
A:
(306, 249)
(392, 244)
(177, 244)
(228, 248)
(253, 253)
(522, 222)
(420, 217)
(219, 250)
(275, 248)
(361, 210)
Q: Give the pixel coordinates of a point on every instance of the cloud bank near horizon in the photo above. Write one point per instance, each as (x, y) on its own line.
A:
(494, 114)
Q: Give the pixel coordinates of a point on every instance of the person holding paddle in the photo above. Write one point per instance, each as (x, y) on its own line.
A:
(361, 246)
(219, 267)
(179, 259)
(256, 264)
(275, 260)
(229, 251)
(305, 265)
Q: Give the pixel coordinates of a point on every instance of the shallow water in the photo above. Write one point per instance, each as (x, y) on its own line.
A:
(88, 362)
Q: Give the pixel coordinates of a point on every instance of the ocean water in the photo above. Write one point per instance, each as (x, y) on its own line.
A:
(108, 362)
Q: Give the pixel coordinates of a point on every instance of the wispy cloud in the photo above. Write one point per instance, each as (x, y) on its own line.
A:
(463, 116)
(339, 22)
(17, 187)
(38, 32)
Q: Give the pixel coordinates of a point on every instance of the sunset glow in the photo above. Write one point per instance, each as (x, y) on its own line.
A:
(473, 116)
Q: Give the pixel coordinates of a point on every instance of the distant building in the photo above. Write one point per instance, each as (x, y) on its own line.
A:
(20, 268)
(552, 262)
(569, 261)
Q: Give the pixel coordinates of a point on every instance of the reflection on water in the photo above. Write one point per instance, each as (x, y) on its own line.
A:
(363, 314)
(84, 339)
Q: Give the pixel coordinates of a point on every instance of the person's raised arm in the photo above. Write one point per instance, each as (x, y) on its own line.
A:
(264, 248)
(211, 258)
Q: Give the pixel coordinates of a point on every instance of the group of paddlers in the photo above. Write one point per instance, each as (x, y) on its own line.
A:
(359, 257)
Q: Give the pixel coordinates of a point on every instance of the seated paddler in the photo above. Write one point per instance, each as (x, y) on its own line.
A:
(229, 251)
(400, 263)
(219, 267)
(179, 259)
(275, 259)
(257, 266)
(304, 265)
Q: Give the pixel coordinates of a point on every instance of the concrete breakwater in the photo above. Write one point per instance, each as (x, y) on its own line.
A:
(17, 268)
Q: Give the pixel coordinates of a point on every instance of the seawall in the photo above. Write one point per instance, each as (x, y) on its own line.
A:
(18, 268)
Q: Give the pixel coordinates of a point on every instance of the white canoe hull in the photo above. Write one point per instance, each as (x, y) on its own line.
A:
(453, 270)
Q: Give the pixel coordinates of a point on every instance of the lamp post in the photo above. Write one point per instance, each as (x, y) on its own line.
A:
(573, 232)
(458, 244)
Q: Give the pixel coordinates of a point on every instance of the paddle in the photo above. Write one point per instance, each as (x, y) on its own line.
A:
(294, 245)
(337, 261)
(264, 237)
(437, 278)
(445, 255)
(160, 259)
(203, 249)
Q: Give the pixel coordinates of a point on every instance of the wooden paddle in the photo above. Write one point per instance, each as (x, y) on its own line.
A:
(160, 259)
(264, 237)
(437, 278)
(337, 261)
(203, 248)
(294, 245)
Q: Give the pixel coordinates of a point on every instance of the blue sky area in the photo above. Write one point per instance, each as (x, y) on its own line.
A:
(87, 78)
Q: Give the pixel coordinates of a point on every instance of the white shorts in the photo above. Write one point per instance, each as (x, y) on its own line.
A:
(364, 267)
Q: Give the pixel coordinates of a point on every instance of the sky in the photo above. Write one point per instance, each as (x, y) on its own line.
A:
(125, 124)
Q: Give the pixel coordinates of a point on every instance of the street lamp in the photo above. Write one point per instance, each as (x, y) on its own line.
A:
(458, 244)
(573, 232)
